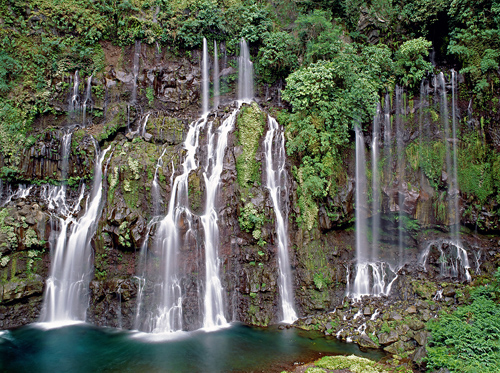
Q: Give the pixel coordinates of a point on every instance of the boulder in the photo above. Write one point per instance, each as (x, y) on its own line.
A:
(419, 354)
(365, 341)
(388, 338)
(411, 310)
(395, 348)
(421, 337)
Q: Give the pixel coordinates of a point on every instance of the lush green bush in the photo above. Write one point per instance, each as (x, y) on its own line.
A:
(475, 42)
(468, 340)
(411, 63)
(278, 56)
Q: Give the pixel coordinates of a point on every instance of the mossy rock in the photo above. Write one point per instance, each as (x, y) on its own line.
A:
(251, 124)
(354, 363)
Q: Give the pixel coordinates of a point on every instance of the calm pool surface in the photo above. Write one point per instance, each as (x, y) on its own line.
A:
(239, 348)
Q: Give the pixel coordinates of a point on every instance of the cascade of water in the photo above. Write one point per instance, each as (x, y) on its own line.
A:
(455, 228)
(451, 169)
(155, 188)
(168, 293)
(56, 195)
(216, 77)
(375, 186)
(362, 279)
(453, 260)
(245, 73)
(205, 80)
(88, 98)
(400, 107)
(213, 302)
(276, 182)
(142, 129)
(423, 105)
(74, 100)
(387, 138)
(66, 293)
(22, 191)
(135, 71)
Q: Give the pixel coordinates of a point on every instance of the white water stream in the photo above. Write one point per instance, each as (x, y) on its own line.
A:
(274, 145)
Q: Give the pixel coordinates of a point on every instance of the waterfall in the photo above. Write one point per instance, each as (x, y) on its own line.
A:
(155, 188)
(400, 170)
(168, 291)
(213, 301)
(276, 182)
(142, 129)
(205, 80)
(88, 98)
(362, 279)
(66, 293)
(455, 228)
(135, 70)
(216, 77)
(74, 100)
(245, 73)
(372, 276)
(451, 169)
(375, 186)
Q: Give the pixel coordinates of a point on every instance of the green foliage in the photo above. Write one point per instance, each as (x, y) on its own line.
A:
(328, 99)
(205, 19)
(468, 340)
(475, 174)
(150, 95)
(430, 157)
(475, 42)
(410, 61)
(251, 220)
(320, 281)
(278, 56)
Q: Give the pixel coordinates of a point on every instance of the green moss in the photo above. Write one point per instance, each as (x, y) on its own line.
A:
(7, 229)
(429, 157)
(195, 194)
(131, 193)
(354, 363)
(111, 128)
(251, 124)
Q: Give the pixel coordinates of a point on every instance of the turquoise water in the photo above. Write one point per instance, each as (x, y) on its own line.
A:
(239, 348)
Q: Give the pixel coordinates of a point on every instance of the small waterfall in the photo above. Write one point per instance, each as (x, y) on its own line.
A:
(74, 100)
(88, 99)
(22, 192)
(135, 71)
(362, 279)
(375, 186)
(214, 302)
(155, 188)
(216, 77)
(142, 129)
(453, 260)
(205, 80)
(276, 182)
(168, 292)
(245, 73)
(66, 293)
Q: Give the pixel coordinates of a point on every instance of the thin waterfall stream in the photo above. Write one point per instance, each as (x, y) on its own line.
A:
(276, 182)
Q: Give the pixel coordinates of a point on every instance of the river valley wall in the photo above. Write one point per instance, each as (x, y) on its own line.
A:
(144, 116)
